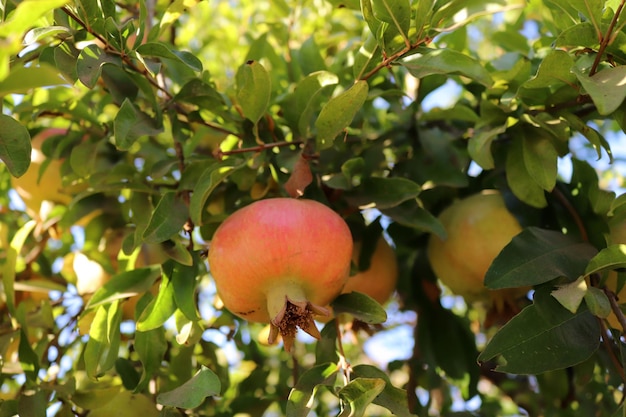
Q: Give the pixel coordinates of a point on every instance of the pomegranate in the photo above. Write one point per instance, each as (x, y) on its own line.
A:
(379, 280)
(280, 260)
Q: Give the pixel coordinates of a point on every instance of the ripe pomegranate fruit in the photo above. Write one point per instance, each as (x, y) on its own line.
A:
(478, 228)
(379, 280)
(279, 261)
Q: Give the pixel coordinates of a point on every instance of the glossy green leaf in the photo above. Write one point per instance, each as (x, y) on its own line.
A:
(612, 257)
(447, 61)
(383, 193)
(299, 403)
(163, 306)
(541, 159)
(103, 345)
(326, 347)
(358, 394)
(192, 393)
(338, 113)
(253, 90)
(606, 88)
(536, 256)
(168, 218)
(392, 398)
(361, 306)
(479, 146)
(543, 337)
(519, 179)
(163, 50)
(15, 147)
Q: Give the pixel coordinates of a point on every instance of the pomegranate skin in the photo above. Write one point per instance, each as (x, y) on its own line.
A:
(278, 250)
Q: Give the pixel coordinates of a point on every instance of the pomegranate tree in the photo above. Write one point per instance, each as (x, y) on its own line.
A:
(279, 261)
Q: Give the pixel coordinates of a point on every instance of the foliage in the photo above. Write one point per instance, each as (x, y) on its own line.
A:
(179, 112)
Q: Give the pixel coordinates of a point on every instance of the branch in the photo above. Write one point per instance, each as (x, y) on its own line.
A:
(606, 39)
(260, 148)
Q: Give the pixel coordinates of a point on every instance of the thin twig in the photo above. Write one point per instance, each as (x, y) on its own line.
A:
(259, 148)
(606, 39)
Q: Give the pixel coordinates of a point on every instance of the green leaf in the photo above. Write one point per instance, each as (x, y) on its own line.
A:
(103, 345)
(131, 123)
(127, 404)
(15, 147)
(598, 302)
(253, 90)
(193, 392)
(163, 306)
(23, 79)
(90, 63)
(151, 347)
(519, 179)
(367, 57)
(123, 285)
(184, 282)
(543, 337)
(423, 14)
(612, 257)
(300, 403)
(383, 193)
(29, 360)
(479, 146)
(163, 50)
(9, 266)
(338, 113)
(358, 394)
(541, 159)
(411, 214)
(395, 12)
(554, 69)
(26, 13)
(308, 94)
(208, 181)
(536, 256)
(447, 61)
(606, 88)
(33, 404)
(168, 218)
(363, 307)
(392, 398)
(593, 136)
